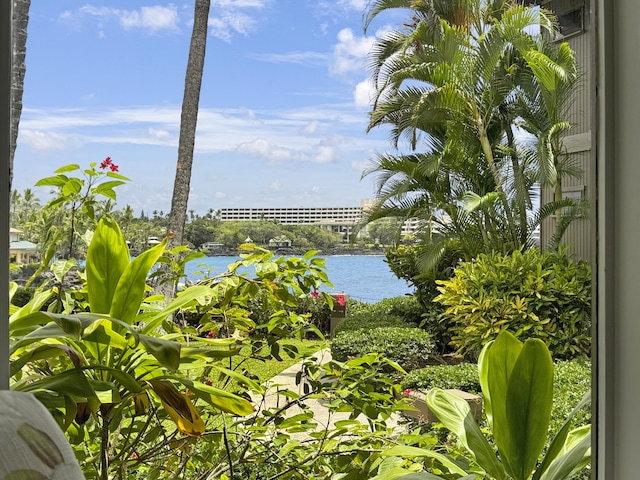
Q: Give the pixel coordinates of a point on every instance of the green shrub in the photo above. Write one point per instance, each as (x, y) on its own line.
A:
(409, 347)
(532, 294)
(22, 296)
(571, 381)
(369, 320)
(462, 377)
(406, 306)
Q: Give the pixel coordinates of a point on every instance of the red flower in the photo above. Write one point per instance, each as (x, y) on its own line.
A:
(211, 334)
(106, 163)
(341, 300)
(314, 294)
(407, 392)
(113, 167)
(209, 382)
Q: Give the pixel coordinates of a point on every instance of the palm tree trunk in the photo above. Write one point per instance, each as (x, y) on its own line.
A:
(188, 120)
(20, 21)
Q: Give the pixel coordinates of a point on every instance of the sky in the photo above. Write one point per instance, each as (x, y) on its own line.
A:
(283, 109)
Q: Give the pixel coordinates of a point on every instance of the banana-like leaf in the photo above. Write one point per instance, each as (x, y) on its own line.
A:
(529, 398)
(184, 298)
(70, 382)
(48, 331)
(167, 352)
(107, 258)
(575, 455)
(496, 362)
(456, 416)
(43, 352)
(130, 290)
(123, 378)
(220, 399)
(559, 441)
(101, 332)
(33, 306)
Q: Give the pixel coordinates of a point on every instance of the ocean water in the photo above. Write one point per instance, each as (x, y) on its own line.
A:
(366, 278)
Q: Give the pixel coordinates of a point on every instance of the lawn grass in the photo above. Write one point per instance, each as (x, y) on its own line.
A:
(265, 370)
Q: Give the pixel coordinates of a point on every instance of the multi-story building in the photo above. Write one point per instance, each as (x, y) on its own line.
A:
(342, 220)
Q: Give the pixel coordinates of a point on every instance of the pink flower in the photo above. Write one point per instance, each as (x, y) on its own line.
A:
(406, 392)
(134, 455)
(314, 294)
(113, 167)
(341, 300)
(211, 334)
(106, 163)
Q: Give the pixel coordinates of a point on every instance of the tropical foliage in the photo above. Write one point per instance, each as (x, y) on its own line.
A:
(479, 100)
(532, 294)
(517, 387)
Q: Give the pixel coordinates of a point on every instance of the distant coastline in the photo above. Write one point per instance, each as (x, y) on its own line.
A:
(294, 251)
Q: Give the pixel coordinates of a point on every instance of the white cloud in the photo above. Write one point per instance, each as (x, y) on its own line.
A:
(360, 165)
(325, 154)
(276, 185)
(315, 189)
(47, 140)
(357, 5)
(263, 149)
(350, 53)
(299, 58)
(364, 94)
(159, 133)
(311, 127)
(153, 18)
(230, 23)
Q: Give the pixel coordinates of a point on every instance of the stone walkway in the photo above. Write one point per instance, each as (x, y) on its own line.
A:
(286, 380)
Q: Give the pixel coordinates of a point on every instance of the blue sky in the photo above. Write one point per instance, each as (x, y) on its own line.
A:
(283, 108)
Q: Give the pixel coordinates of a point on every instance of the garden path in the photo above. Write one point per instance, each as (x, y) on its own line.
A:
(286, 380)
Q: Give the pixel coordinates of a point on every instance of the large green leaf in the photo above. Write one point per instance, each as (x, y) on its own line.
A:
(456, 416)
(184, 298)
(167, 352)
(70, 382)
(24, 325)
(107, 258)
(497, 360)
(559, 441)
(129, 292)
(220, 399)
(44, 352)
(529, 400)
(46, 332)
(123, 378)
(101, 332)
(575, 455)
(34, 305)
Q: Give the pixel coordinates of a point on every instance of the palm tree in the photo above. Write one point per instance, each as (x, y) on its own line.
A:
(20, 21)
(454, 84)
(188, 120)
